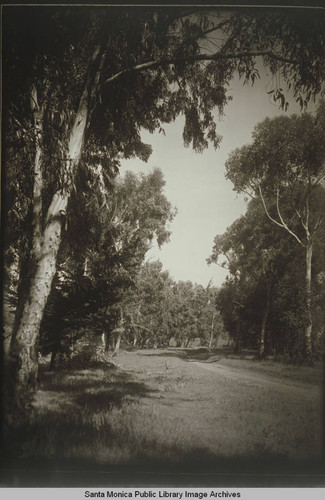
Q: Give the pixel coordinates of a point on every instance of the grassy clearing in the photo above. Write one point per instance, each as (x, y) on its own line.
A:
(155, 409)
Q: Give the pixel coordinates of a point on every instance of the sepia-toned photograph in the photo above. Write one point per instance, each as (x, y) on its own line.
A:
(163, 245)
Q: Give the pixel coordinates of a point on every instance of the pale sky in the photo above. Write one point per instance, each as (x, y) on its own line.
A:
(196, 183)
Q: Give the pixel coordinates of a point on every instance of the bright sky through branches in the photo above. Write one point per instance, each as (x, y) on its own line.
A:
(196, 184)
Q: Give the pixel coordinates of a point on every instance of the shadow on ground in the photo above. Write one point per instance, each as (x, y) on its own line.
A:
(94, 388)
(72, 409)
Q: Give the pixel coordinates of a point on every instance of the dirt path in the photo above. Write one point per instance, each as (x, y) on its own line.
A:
(286, 386)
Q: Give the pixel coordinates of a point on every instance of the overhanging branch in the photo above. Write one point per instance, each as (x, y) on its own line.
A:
(196, 58)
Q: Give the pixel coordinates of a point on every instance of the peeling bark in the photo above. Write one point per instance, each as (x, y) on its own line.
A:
(23, 350)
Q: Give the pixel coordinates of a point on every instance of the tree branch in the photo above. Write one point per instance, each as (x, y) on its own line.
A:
(223, 266)
(282, 224)
(140, 326)
(318, 180)
(216, 28)
(266, 210)
(318, 223)
(196, 58)
(300, 218)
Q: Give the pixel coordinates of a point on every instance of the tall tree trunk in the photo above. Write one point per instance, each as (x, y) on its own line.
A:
(212, 331)
(261, 351)
(308, 331)
(23, 351)
(106, 340)
(53, 357)
(237, 338)
(34, 239)
(24, 343)
(117, 344)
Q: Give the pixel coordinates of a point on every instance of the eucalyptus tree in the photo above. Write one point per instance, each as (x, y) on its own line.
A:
(209, 326)
(285, 166)
(147, 306)
(96, 276)
(138, 213)
(79, 84)
(253, 252)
